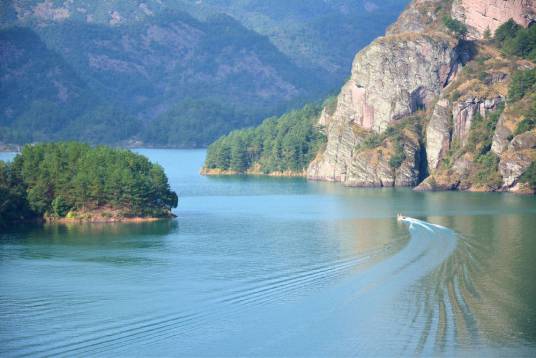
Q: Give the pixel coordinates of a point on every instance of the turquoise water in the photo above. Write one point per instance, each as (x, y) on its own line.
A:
(277, 267)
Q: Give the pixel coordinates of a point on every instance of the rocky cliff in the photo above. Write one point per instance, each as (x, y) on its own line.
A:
(423, 102)
(487, 15)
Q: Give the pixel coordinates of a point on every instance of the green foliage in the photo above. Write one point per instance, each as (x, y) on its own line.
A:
(506, 32)
(523, 82)
(525, 125)
(399, 155)
(195, 123)
(458, 28)
(56, 178)
(330, 104)
(59, 206)
(373, 140)
(289, 142)
(487, 173)
(393, 133)
(481, 134)
(516, 40)
(13, 203)
(47, 100)
(529, 176)
(397, 159)
(487, 34)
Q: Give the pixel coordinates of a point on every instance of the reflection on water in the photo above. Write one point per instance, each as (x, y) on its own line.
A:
(270, 267)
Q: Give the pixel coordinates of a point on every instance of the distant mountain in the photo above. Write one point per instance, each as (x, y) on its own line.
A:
(183, 72)
(42, 97)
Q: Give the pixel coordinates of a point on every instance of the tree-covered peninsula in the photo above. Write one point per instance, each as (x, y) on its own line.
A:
(73, 181)
(279, 146)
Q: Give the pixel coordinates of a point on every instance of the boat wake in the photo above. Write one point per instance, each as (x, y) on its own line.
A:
(415, 301)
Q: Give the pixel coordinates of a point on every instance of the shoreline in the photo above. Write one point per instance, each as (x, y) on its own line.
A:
(100, 220)
(422, 187)
(252, 172)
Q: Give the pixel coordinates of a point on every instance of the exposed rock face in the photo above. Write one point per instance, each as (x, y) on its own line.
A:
(512, 165)
(371, 168)
(500, 137)
(438, 133)
(410, 68)
(464, 111)
(356, 166)
(522, 141)
(419, 15)
(481, 15)
(382, 89)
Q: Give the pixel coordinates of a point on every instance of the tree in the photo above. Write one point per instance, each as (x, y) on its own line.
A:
(457, 27)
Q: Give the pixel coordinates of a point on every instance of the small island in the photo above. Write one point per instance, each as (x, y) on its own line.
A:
(74, 182)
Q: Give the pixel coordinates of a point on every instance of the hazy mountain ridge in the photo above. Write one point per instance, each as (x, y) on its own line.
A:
(187, 79)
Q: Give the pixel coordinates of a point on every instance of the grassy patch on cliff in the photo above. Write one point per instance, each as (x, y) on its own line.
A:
(289, 142)
(393, 137)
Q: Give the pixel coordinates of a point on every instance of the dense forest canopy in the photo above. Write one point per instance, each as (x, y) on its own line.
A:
(289, 142)
(59, 179)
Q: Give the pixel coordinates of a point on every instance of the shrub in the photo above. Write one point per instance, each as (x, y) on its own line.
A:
(458, 28)
(487, 173)
(60, 207)
(397, 159)
(525, 125)
(523, 82)
(529, 176)
(372, 140)
(505, 32)
(516, 40)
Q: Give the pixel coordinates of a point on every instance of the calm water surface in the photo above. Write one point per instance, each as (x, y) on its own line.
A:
(277, 267)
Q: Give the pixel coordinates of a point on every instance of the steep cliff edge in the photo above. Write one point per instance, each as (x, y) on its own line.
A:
(443, 96)
(482, 16)
(429, 104)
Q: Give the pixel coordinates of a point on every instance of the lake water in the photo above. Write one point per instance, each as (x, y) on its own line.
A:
(277, 267)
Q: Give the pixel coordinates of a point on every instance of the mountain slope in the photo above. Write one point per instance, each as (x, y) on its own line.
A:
(432, 104)
(315, 34)
(42, 98)
(149, 69)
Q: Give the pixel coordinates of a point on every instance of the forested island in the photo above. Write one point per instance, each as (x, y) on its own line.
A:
(71, 181)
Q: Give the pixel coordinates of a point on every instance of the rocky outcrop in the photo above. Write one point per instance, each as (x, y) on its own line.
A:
(417, 17)
(411, 73)
(372, 167)
(382, 89)
(438, 133)
(483, 15)
(512, 165)
(464, 111)
(500, 137)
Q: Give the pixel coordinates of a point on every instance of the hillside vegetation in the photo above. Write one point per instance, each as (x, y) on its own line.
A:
(170, 73)
(284, 144)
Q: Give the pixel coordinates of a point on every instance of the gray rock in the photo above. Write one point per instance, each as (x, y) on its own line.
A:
(391, 78)
(511, 166)
(438, 134)
(464, 111)
(523, 141)
(500, 137)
